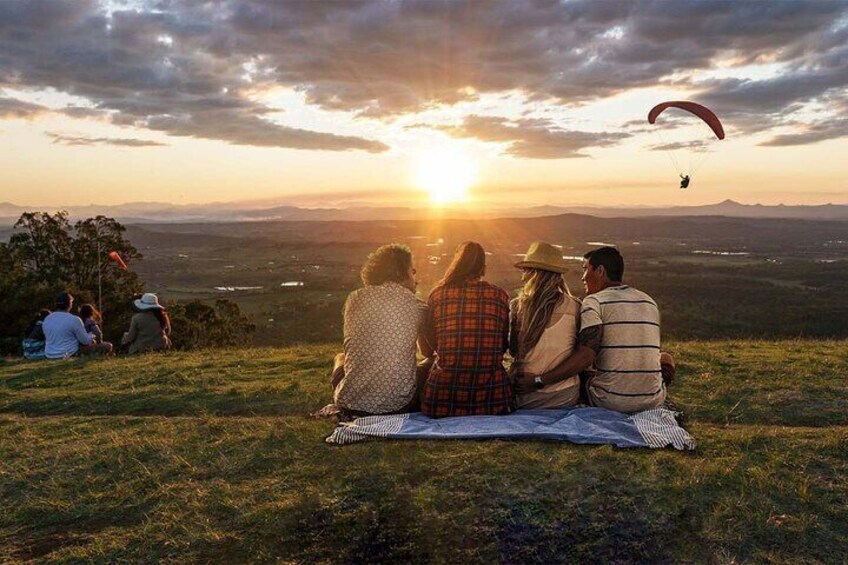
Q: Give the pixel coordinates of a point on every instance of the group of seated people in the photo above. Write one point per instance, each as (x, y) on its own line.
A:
(60, 334)
(602, 351)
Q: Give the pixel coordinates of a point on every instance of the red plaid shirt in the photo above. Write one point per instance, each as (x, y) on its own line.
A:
(470, 325)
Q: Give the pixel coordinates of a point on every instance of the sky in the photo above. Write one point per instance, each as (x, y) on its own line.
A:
(388, 103)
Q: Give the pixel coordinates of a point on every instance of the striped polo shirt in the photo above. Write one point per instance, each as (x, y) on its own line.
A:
(628, 363)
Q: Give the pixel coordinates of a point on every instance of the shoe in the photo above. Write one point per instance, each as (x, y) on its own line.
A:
(669, 371)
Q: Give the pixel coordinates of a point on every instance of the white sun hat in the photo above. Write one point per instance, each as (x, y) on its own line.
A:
(148, 301)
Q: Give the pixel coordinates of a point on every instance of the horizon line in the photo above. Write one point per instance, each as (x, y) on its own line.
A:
(483, 207)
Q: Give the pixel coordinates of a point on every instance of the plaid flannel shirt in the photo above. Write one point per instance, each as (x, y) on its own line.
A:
(470, 328)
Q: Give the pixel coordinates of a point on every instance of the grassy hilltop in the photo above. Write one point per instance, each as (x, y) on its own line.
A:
(211, 457)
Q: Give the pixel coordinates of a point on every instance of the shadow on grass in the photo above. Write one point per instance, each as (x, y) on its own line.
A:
(59, 529)
(276, 401)
(234, 490)
(228, 383)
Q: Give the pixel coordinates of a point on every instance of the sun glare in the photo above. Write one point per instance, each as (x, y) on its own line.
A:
(445, 175)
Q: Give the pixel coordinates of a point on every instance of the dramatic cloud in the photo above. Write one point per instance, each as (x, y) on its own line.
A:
(811, 134)
(533, 139)
(88, 141)
(12, 108)
(191, 68)
(699, 145)
(398, 57)
(244, 129)
(132, 69)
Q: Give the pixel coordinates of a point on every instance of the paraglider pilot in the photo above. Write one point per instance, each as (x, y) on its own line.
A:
(684, 181)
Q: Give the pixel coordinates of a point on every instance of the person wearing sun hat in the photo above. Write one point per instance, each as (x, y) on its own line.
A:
(544, 322)
(150, 327)
(619, 338)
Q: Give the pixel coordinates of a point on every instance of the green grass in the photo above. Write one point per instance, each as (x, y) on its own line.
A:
(211, 457)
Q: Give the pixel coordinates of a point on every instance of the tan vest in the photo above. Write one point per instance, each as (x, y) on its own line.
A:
(556, 344)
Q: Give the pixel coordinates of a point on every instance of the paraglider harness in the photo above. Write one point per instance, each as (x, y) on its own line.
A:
(704, 114)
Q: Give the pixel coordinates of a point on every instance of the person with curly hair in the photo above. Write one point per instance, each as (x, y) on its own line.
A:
(377, 373)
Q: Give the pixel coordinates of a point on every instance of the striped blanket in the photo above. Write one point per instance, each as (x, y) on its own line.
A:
(653, 428)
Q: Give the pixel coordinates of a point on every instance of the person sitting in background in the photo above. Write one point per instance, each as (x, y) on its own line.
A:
(34, 341)
(150, 327)
(468, 333)
(543, 330)
(64, 333)
(91, 321)
(620, 335)
(377, 373)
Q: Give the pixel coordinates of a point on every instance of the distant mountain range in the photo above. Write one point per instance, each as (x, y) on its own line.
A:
(158, 212)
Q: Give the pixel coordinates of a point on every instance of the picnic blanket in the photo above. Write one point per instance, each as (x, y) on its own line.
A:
(652, 428)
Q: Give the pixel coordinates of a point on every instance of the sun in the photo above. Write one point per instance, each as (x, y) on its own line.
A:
(445, 174)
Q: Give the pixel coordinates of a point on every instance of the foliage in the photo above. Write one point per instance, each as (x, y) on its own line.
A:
(46, 255)
(197, 325)
(95, 467)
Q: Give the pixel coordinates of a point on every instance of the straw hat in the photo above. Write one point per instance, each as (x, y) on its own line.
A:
(543, 256)
(148, 301)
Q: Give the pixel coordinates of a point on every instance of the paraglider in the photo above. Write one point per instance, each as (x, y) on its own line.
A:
(710, 125)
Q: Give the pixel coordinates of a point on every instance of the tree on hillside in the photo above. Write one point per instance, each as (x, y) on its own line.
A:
(197, 325)
(19, 293)
(46, 255)
(42, 244)
(95, 238)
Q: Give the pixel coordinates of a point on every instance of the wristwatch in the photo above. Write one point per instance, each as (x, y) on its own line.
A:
(538, 382)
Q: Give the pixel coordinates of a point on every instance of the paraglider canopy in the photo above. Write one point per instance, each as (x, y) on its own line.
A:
(693, 108)
(691, 144)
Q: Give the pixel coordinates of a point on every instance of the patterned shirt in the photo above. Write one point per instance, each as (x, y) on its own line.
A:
(381, 326)
(470, 325)
(628, 363)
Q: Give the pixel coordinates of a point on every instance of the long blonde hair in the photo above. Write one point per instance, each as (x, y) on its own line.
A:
(541, 294)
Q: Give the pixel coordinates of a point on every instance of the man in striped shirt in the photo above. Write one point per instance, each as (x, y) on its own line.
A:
(620, 336)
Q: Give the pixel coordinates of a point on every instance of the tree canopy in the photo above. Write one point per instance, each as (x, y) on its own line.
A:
(46, 254)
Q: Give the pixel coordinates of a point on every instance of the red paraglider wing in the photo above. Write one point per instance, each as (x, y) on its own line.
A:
(701, 111)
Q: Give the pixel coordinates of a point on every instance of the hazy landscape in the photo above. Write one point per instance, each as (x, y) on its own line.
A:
(714, 277)
(161, 212)
(241, 158)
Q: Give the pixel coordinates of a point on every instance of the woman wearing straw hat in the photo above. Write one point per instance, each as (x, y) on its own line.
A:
(544, 322)
(150, 327)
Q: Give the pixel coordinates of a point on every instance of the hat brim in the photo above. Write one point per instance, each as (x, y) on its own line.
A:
(542, 266)
(142, 306)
